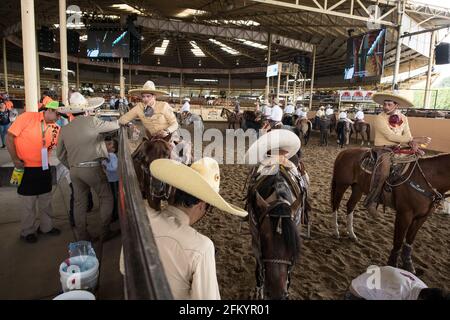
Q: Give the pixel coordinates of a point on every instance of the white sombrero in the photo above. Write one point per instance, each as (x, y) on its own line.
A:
(187, 99)
(380, 97)
(78, 103)
(201, 180)
(280, 139)
(149, 87)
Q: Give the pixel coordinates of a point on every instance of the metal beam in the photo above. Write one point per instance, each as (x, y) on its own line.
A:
(224, 32)
(209, 52)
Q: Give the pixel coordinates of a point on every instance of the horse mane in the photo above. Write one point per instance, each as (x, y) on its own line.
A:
(290, 234)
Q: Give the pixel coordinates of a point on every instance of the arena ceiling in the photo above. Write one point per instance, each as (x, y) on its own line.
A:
(295, 27)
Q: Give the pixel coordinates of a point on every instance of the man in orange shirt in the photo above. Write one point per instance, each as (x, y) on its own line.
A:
(30, 140)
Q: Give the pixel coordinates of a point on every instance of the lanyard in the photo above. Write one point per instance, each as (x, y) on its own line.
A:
(43, 132)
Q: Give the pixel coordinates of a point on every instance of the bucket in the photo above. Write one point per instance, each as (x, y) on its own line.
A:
(75, 295)
(79, 272)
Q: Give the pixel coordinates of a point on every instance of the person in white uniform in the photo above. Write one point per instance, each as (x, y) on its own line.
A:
(359, 115)
(389, 283)
(276, 115)
(289, 109)
(329, 111)
(186, 108)
(343, 116)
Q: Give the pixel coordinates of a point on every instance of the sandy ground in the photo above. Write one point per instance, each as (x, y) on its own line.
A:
(327, 265)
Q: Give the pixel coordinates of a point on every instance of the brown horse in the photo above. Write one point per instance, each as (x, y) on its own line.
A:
(232, 118)
(304, 127)
(148, 150)
(275, 204)
(414, 198)
(362, 128)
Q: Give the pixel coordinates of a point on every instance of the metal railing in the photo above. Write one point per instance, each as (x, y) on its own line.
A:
(144, 273)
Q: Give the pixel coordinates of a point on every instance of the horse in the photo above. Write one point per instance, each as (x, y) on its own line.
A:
(232, 118)
(414, 199)
(343, 130)
(324, 126)
(362, 128)
(275, 204)
(304, 127)
(188, 119)
(251, 120)
(333, 123)
(288, 119)
(148, 150)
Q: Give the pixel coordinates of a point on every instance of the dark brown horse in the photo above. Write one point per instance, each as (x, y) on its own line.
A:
(363, 129)
(304, 127)
(148, 150)
(275, 204)
(414, 198)
(232, 118)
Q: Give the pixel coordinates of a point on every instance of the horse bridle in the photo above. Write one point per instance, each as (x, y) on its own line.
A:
(294, 212)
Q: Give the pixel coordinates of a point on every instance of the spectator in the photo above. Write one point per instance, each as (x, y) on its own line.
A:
(30, 140)
(4, 122)
(111, 165)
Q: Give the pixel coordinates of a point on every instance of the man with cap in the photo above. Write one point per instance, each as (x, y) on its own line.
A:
(188, 257)
(319, 114)
(81, 148)
(344, 117)
(276, 116)
(359, 116)
(391, 132)
(329, 111)
(156, 116)
(30, 140)
(186, 108)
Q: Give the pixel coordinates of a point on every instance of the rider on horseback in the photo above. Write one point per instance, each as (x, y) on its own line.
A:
(391, 132)
(359, 116)
(186, 108)
(156, 116)
(276, 117)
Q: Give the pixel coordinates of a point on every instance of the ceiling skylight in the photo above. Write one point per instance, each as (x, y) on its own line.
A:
(160, 51)
(190, 12)
(225, 48)
(126, 7)
(252, 44)
(196, 50)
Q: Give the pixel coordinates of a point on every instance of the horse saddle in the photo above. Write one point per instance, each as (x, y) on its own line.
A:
(399, 163)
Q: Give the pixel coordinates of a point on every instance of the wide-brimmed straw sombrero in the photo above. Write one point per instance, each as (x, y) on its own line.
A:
(403, 102)
(78, 103)
(149, 87)
(201, 180)
(279, 139)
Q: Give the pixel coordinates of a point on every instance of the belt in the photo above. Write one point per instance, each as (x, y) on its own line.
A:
(88, 164)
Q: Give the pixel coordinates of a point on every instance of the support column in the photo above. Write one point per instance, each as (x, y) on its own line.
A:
(63, 52)
(5, 65)
(181, 85)
(38, 76)
(427, 96)
(122, 80)
(269, 46)
(29, 54)
(278, 83)
(312, 78)
(401, 10)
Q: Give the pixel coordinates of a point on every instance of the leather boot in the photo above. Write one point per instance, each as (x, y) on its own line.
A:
(407, 263)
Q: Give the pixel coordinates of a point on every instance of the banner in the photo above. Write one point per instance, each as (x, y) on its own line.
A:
(272, 70)
(356, 95)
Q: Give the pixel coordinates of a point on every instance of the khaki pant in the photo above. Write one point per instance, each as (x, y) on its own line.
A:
(29, 220)
(84, 179)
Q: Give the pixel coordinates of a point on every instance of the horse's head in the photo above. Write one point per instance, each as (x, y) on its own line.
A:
(274, 210)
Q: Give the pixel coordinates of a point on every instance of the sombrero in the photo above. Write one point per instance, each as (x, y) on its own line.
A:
(380, 97)
(201, 180)
(187, 99)
(149, 87)
(78, 103)
(280, 139)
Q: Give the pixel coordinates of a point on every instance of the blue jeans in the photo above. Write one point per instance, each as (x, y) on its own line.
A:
(4, 131)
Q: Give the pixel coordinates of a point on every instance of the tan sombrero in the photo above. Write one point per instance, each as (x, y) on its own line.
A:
(280, 139)
(149, 87)
(380, 97)
(78, 103)
(201, 180)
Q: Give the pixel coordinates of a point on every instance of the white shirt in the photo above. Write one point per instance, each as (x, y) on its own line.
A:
(343, 115)
(289, 109)
(387, 283)
(329, 112)
(277, 113)
(188, 257)
(267, 111)
(359, 115)
(186, 107)
(320, 113)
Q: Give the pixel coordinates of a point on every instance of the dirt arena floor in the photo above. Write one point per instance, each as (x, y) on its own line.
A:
(327, 264)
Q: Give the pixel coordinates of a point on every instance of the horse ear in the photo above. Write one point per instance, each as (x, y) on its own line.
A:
(260, 202)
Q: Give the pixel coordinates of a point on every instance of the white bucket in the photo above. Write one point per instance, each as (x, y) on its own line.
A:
(75, 295)
(73, 278)
(447, 205)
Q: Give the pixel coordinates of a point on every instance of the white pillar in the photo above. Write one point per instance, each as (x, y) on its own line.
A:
(278, 83)
(5, 65)
(29, 54)
(63, 52)
(38, 76)
(122, 80)
(401, 10)
(312, 78)
(269, 49)
(427, 97)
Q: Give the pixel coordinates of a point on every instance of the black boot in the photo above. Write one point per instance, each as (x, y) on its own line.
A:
(407, 263)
